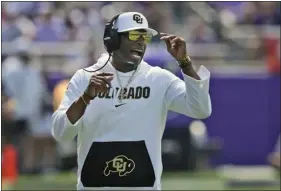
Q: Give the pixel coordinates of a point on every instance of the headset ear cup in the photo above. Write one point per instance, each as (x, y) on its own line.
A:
(111, 38)
(115, 40)
(107, 37)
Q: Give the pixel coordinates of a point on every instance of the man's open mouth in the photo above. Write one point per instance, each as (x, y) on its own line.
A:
(136, 52)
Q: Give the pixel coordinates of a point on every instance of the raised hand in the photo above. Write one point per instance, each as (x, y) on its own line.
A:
(176, 46)
(99, 83)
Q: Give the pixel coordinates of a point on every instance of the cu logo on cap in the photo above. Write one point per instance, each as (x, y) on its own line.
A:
(137, 18)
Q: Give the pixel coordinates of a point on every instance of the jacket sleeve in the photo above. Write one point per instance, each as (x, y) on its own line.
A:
(189, 97)
(62, 128)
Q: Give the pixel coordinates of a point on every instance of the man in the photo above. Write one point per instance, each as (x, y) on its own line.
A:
(23, 85)
(26, 88)
(119, 112)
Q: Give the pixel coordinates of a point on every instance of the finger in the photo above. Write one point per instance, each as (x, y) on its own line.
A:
(174, 42)
(101, 85)
(163, 34)
(97, 84)
(177, 40)
(168, 37)
(168, 41)
(106, 80)
(105, 74)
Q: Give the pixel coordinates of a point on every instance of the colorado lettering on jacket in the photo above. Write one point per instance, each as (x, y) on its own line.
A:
(130, 93)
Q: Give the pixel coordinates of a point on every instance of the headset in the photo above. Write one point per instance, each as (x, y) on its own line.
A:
(111, 40)
(111, 37)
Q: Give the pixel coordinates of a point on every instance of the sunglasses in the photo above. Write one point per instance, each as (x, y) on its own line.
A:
(135, 35)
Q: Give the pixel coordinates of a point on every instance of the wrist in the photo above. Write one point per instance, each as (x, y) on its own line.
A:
(185, 62)
(88, 95)
(86, 98)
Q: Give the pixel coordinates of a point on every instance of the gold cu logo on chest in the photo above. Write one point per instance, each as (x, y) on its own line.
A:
(137, 18)
(120, 164)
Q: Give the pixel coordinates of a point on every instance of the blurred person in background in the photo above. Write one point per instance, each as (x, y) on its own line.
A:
(268, 13)
(25, 88)
(50, 28)
(272, 54)
(7, 129)
(10, 29)
(16, 82)
(201, 33)
(71, 30)
(260, 13)
(249, 13)
(156, 13)
(16, 22)
(9, 154)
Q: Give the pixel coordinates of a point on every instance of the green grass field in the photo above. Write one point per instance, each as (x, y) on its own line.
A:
(170, 181)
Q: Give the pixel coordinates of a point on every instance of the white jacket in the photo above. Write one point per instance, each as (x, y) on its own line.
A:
(152, 92)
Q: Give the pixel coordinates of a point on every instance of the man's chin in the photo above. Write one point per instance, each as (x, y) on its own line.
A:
(136, 59)
(132, 65)
(133, 60)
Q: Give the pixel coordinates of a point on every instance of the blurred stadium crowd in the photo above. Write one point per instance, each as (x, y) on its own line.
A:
(200, 22)
(71, 33)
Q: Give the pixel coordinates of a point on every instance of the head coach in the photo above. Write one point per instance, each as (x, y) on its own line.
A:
(118, 107)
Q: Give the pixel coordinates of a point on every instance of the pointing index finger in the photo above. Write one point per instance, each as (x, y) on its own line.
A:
(168, 37)
(163, 34)
(105, 74)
